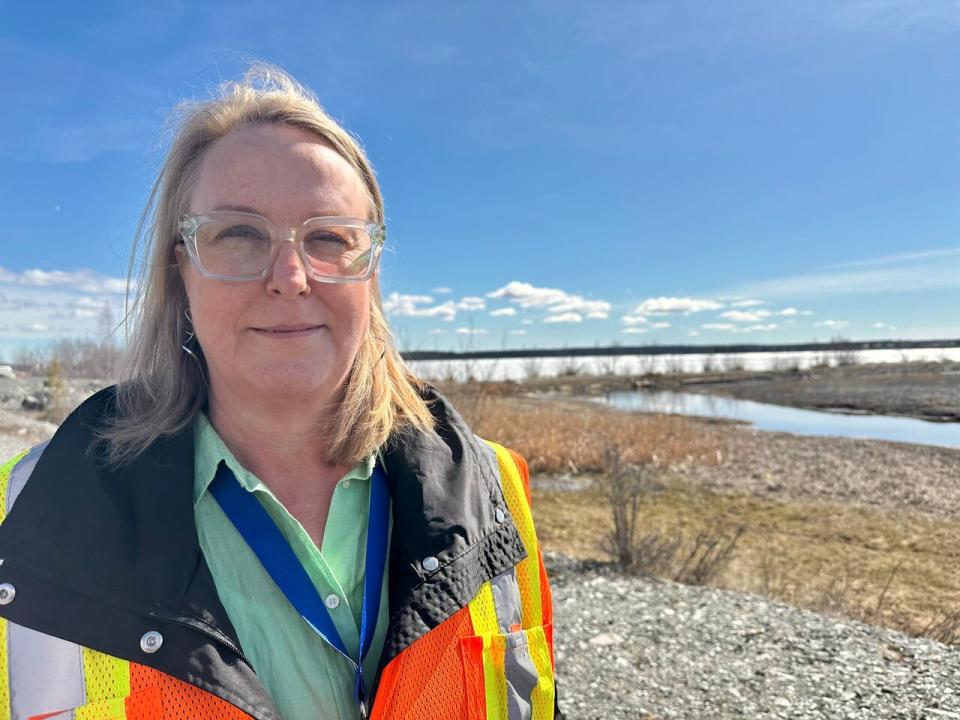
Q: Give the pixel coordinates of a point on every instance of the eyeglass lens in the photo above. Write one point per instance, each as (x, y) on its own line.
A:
(242, 245)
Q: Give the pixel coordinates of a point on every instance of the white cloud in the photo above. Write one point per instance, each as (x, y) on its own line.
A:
(527, 295)
(441, 290)
(659, 325)
(675, 305)
(788, 312)
(526, 322)
(833, 324)
(571, 317)
(552, 300)
(82, 280)
(634, 320)
(437, 331)
(756, 328)
(503, 312)
(401, 305)
(746, 303)
(471, 331)
(693, 333)
(471, 303)
(518, 332)
(731, 327)
(746, 316)
(635, 330)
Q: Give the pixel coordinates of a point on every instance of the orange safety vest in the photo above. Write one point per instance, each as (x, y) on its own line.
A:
(491, 659)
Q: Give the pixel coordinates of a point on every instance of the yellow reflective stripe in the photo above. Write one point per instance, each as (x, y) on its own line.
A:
(483, 611)
(107, 681)
(495, 676)
(528, 571)
(5, 471)
(4, 673)
(541, 699)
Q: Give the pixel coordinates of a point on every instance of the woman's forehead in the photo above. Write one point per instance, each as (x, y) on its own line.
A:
(280, 171)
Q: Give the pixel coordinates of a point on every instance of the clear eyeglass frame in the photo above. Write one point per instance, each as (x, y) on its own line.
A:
(190, 224)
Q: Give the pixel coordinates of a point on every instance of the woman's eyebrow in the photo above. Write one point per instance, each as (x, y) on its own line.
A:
(248, 209)
(238, 208)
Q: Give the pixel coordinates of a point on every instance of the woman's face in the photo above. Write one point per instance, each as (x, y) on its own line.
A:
(285, 335)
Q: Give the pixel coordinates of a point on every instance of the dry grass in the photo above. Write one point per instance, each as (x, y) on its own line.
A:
(880, 567)
(567, 436)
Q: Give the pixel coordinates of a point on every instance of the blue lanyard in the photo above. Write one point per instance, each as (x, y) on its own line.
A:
(278, 559)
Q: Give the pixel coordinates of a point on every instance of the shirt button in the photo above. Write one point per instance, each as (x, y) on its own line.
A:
(332, 601)
(500, 515)
(7, 593)
(430, 563)
(346, 483)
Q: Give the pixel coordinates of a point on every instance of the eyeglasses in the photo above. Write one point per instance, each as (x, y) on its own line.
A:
(243, 246)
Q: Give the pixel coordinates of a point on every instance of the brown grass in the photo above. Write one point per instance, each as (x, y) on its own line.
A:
(889, 569)
(569, 436)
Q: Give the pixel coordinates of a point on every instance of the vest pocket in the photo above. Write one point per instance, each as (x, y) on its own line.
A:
(143, 703)
(509, 676)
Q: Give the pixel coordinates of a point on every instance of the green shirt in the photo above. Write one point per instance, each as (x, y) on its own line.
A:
(305, 676)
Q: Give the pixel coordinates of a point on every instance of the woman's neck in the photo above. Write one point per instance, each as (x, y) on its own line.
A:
(283, 442)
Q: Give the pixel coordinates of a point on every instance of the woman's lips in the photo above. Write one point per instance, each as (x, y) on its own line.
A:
(288, 331)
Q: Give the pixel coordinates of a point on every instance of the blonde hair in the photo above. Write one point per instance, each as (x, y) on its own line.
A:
(162, 387)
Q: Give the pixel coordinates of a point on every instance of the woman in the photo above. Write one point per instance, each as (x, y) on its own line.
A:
(270, 517)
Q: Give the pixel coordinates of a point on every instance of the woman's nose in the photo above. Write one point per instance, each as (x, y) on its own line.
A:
(288, 276)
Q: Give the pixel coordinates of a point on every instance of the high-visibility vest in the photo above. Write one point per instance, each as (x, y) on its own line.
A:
(490, 660)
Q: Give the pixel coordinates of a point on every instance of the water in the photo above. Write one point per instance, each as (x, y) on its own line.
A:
(524, 368)
(791, 420)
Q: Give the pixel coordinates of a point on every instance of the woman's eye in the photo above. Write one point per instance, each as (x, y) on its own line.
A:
(246, 232)
(326, 239)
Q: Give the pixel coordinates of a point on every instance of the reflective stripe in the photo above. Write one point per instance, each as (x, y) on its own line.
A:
(4, 670)
(506, 598)
(107, 683)
(541, 654)
(521, 676)
(5, 472)
(495, 677)
(13, 476)
(47, 675)
(21, 472)
(528, 570)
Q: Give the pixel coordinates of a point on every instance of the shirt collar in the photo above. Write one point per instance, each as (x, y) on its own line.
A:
(210, 450)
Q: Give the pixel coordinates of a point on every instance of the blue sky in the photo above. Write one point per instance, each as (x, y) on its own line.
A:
(555, 173)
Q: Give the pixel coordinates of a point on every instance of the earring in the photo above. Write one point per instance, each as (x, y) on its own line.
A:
(190, 335)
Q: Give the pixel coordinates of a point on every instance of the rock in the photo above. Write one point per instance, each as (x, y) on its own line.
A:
(606, 639)
(32, 402)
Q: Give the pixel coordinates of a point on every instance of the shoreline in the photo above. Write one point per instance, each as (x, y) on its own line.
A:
(921, 391)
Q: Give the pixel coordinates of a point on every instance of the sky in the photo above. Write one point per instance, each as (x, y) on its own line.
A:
(556, 174)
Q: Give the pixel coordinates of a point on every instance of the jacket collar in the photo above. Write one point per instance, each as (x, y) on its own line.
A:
(100, 556)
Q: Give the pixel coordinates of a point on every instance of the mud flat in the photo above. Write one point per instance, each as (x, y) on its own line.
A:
(929, 391)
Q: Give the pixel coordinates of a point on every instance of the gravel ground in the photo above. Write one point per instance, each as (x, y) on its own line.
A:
(853, 471)
(643, 649)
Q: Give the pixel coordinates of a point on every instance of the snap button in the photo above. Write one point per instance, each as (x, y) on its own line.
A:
(151, 641)
(430, 563)
(332, 601)
(7, 593)
(500, 515)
